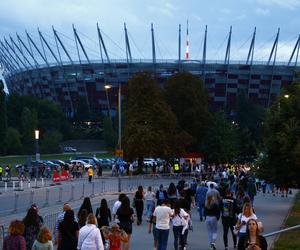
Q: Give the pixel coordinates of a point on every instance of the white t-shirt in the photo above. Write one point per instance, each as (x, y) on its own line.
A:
(244, 221)
(163, 215)
(116, 206)
(149, 196)
(181, 219)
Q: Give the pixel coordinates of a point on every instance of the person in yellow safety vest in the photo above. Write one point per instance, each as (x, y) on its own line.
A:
(176, 168)
(1, 171)
(90, 174)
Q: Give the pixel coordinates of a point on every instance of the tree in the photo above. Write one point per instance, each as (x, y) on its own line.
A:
(188, 98)
(13, 142)
(50, 142)
(220, 141)
(151, 127)
(282, 139)
(29, 124)
(109, 134)
(249, 118)
(3, 118)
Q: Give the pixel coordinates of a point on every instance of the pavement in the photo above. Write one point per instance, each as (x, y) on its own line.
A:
(271, 210)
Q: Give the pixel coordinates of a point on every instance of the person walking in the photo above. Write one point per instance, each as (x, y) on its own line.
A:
(86, 204)
(161, 195)
(212, 214)
(150, 202)
(44, 240)
(200, 197)
(89, 235)
(15, 239)
(162, 215)
(68, 231)
(1, 171)
(228, 207)
(252, 240)
(103, 216)
(246, 214)
(90, 173)
(180, 229)
(125, 216)
(139, 204)
(32, 224)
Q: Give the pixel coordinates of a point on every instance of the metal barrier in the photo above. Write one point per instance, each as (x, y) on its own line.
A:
(50, 220)
(2, 235)
(281, 231)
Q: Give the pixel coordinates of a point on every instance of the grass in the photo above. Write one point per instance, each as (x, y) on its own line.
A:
(21, 159)
(291, 240)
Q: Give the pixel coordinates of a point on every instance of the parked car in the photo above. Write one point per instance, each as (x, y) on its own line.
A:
(70, 149)
(82, 163)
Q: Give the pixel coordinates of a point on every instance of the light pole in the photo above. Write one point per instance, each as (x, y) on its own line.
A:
(37, 136)
(107, 87)
(120, 118)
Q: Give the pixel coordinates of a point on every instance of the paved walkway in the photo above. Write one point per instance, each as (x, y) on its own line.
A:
(271, 210)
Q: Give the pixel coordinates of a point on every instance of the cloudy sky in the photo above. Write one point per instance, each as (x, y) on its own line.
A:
(166, 15)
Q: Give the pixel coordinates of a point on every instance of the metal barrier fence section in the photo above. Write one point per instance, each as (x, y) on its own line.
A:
(20, 201)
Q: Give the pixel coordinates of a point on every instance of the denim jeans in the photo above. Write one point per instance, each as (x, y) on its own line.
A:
(201, 210)
(212, 228)
(178, 236)
(162, 239)
(149, 208)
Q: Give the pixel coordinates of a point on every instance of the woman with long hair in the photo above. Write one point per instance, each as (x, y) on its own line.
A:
(15, 240)
(44, 240)
(89, 235)
(252, 240)
(246, 214)
(172, 193)
(150, 202)
(212, 214)
(139, 204)
(86, 204)
(103, 216)
(125, 216)
(68, 231)
(180, 223)
(32, 224)
(82, 218)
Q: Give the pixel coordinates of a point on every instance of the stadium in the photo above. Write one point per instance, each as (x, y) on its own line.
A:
(48, 70)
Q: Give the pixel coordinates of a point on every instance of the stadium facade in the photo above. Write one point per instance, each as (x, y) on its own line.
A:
(28, 70)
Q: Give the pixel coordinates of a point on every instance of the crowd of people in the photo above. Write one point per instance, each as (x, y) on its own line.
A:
(217, 195)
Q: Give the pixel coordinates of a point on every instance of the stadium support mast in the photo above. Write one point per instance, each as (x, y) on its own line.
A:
(28, 51)
(62, 45)
(102, 44)
(153, 46)
(45, 41)
(10, 55)
(251, 50)
(274, 49)
(15, 45)
(6, 59)
(187, 52)
(37, 49)
(179, 46)
(227, 55)
(128, 51)
(204, 47)
(81, 45)
(297, 47)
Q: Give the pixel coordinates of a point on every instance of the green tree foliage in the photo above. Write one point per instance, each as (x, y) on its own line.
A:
(282, 139)
(82, 110)
(29, 123)
(249, 119)
(13, 142)
(151, 127)
(188, 98)
(50, 142)
(220, 141)
(109, 134)
(3, 119)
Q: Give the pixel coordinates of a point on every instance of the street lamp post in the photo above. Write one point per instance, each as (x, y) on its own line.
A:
(37, 136)
(107, 87)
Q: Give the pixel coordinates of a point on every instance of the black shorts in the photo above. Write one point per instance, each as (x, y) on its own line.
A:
(126, 226)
